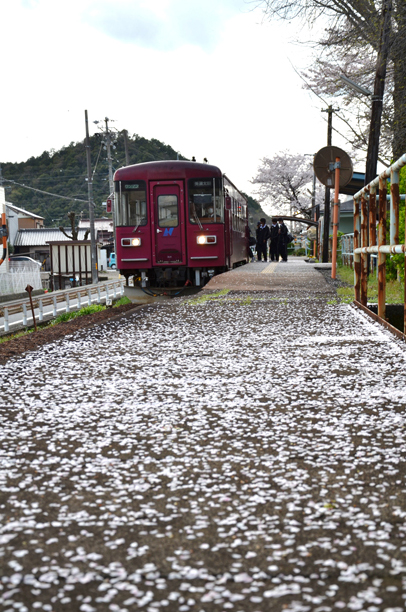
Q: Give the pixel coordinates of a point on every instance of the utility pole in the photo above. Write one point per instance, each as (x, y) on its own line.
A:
(91, 206)
(127, 157)
(109, 160)
(326, 230)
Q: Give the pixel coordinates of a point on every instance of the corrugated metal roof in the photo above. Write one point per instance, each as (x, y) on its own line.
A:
(22, 211)
(40, 237)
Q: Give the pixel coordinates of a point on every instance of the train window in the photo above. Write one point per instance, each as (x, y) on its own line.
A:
(205, 201)
(132, 207)
(168, 211)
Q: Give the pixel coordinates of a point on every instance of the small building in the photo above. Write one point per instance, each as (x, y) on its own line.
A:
(19, 219)
(346, 223)
(34, 242)
(71, 263)
(104, 230)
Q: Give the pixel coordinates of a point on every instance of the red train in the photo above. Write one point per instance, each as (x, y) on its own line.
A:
(178, 221)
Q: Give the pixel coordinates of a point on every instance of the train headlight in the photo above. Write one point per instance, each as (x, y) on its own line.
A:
(131, 242)
(206, 239)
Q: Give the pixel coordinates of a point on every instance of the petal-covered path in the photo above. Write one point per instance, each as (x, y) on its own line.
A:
(232, 451)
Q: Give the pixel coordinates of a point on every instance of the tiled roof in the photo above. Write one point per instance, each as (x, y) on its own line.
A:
(40, 237)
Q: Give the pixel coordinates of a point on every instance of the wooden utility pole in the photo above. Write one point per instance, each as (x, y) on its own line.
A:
(91, 206)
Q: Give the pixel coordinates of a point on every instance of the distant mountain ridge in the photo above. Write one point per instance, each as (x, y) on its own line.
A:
(64, 173)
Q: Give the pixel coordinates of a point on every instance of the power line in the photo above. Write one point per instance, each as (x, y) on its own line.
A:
(54, 195)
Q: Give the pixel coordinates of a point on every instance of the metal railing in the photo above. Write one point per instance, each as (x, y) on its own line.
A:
(60, 301)
(365, 232)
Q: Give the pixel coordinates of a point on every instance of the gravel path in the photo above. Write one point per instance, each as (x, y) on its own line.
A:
(226, 452)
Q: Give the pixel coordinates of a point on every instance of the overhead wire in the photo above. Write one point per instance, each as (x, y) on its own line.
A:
(54, 195)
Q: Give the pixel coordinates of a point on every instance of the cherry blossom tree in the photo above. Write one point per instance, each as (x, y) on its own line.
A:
(361, 42)
(353, 110)
(284, 184)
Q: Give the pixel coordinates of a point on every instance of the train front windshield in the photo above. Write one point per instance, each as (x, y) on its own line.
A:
(132, 203)
(206, 203)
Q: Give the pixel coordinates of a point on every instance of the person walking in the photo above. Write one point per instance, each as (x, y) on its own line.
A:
(262, 239)
(273, 243)
(282, 240)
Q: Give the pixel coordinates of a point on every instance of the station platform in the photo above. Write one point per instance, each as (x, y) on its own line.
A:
(238, 449)
(295, 275)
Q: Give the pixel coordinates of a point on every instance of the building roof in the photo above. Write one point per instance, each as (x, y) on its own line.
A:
(40, 237)
(21, 211)
(356, 183)
(347, 206)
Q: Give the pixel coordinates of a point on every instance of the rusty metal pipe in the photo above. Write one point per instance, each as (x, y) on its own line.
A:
(335, 219)
(395, 167)
(372, 220)
(3, 234)
(364, 257)
(357, 256)
(394, 207)
(381, 254)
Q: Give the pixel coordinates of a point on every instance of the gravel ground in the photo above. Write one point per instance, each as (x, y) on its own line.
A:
(242, 452)
(31, 342)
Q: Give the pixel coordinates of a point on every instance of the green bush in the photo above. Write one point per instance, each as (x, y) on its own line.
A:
(66, 316)
(122, 301)
(86, 310)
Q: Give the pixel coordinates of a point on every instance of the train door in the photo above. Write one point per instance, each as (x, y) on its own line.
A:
(168, 222)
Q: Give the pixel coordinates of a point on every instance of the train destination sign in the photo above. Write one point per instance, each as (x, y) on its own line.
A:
(202, 183)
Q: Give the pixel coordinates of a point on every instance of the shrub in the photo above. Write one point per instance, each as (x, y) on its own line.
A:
(122, 301)
(66, 316)
(86, 310)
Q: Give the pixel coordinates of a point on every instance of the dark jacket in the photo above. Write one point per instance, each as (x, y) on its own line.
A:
(283, 234)
(262, 234)
(274, 232)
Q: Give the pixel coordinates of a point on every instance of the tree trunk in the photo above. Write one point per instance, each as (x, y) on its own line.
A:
(399, 94)
(379, 89)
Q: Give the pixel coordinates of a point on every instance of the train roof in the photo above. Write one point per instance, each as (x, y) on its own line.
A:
(168, 169)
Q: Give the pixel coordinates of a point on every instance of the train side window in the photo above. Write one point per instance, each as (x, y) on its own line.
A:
(137, 211)
(132, 204)
(206, 203)
(168, 211)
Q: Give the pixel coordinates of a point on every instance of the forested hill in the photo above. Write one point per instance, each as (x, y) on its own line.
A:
(64, 173)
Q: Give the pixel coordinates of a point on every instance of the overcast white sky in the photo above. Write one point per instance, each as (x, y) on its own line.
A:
(204, 76)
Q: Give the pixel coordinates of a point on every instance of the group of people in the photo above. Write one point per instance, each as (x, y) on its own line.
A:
(277, 234)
